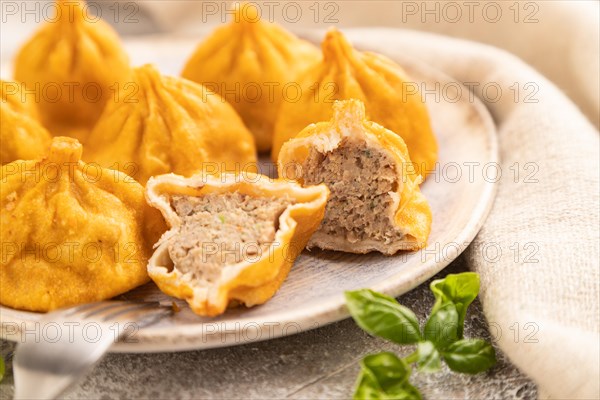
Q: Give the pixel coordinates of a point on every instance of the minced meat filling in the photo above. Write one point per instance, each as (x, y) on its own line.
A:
(223, 229)
(360, 179)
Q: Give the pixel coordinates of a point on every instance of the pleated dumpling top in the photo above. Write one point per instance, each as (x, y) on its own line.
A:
(72, 232)
(250, 62)
(75, 62)
(166, 124)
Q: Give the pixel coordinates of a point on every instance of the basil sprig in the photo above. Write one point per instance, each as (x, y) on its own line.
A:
(384, 375)
(383, 316)
(470, 356)
(429, 359)
(441, 327)
(457, 289)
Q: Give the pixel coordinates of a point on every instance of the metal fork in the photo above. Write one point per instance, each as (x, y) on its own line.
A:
(69, 342)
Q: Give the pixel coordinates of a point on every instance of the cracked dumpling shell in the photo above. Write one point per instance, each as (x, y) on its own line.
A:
(249, 62)
(166, 124)
(71, 232)
(345, 73)
(375, 202)
(229, 208)
(75, 64)
(22, 137)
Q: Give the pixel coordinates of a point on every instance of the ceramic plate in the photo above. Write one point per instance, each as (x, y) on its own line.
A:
(312, 295)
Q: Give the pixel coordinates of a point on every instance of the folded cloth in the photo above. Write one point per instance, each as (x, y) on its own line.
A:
(540, 284)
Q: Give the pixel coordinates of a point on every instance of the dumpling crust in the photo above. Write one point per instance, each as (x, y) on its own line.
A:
(22, 137)
(375, 202)
(71, 232)
(75, 65)
(345, 73)
(166, 124)
(250, 62)
(253, 280)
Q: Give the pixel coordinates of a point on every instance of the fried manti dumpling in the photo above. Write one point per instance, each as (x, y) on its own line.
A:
(170, 124)
(375, 202)
(71, 232)
(75, 63)
(233, 238)
(22, 137)
(16, 99)
(250, 62)
(377, 81)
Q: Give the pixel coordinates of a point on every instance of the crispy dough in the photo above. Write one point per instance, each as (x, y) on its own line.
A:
(71, 232)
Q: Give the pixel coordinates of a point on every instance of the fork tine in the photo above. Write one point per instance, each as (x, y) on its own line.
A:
(130, 308)
(80, 309)
(112, 305)
(148, 317)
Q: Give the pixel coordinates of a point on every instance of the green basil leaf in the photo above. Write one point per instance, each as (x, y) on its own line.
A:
(470, 356)
(460, 289)
(383, 316)
(442, 326)
(384, 376)
(429, 357)
(387, 368)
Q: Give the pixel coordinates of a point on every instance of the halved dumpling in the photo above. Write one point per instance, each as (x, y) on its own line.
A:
(233, 238)
(375, 202)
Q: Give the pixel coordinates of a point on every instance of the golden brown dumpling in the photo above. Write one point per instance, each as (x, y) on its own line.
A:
(22, 137)
(16, 99)
(75, 63)
(375, 202)
(250, 62)
(167, 125)
(71, 232)
(345, 74)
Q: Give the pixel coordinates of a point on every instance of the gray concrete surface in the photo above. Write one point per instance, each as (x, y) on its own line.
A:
(319, 364)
